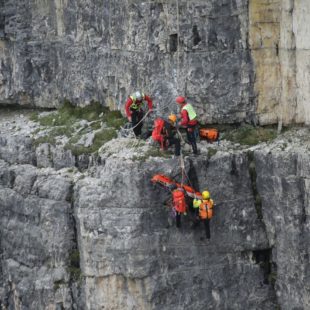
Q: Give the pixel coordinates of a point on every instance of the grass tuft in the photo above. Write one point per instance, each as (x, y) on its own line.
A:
(100, 138)
(63, 123)
(74, 265)
(250, 135)
(152, 152)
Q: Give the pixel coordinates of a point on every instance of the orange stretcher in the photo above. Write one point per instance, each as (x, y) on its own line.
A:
(168, 183)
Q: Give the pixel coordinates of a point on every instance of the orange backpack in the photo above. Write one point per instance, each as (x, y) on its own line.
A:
(179, 202)
(210, 134)
(157, 133)
(206, 209)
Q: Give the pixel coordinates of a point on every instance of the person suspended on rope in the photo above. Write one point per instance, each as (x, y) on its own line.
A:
(204, 209)
(134, 110)
(179, 205)
(189, 121)
(164, 133)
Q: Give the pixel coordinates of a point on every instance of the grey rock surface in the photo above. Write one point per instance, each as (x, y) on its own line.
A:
(128, 240)
(37, 237)
(104, 50)
(103, 237)
(284, 183)
(236, 60)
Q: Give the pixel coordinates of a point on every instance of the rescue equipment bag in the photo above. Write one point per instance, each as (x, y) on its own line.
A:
(210, 134)
(206, 210)
(157, 133)
(179, 202)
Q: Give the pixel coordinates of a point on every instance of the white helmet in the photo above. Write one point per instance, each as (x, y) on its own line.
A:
(138, 95)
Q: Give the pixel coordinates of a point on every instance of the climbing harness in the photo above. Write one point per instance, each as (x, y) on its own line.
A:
(141, 120)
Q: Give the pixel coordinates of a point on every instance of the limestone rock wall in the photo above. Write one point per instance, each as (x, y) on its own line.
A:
(37, 237)
(278, 39)
(284, 185)
(236, 60)
(128, 252)
(103, 50)
(129, 242)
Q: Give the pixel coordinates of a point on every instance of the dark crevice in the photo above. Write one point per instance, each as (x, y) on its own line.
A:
(303, 217)
(2, 20)
(264, 259)
(59, 306)
(74, 268)
(12, 177)
(234, 170)
(253, 175)
(70, 195)
(173, 43)
(196, 36)
(1, 271)
(192, 175)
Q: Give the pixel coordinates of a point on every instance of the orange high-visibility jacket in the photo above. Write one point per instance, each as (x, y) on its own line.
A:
(206, 209)
(179, 202)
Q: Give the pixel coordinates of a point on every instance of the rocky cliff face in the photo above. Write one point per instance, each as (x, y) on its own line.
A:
(102, 237)
(91, 231)
(235, 60)
(280, 49)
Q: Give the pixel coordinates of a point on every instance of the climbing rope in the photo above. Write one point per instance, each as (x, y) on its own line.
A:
(141, 120)
(110, 53)
(178, 43)
(182, 165)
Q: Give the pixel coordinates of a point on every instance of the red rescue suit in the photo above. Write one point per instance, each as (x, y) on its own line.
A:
(139, 104)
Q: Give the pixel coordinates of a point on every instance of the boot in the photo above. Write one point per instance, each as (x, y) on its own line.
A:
(194, 147)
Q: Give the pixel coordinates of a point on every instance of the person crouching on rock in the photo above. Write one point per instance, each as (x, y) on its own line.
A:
(164, 133)
(134, 110)
(171, 138)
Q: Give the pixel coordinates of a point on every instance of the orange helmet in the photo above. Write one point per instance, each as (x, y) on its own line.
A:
(172, 118)
(180, 99)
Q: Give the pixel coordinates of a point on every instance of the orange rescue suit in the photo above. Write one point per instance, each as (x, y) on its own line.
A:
(206, 209)
(179, 202)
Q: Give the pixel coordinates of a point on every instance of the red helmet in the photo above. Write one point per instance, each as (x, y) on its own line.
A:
(180, 99)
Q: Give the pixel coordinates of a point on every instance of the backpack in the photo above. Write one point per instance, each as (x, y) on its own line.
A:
(157, 133)
(179, 202)
(210, 134)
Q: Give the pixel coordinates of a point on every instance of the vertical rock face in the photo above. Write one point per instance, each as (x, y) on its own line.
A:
(103, 50)
(278, 37)
(133, 256)
(284, 184)
(108, 240)
(37, 235)
(236, 60)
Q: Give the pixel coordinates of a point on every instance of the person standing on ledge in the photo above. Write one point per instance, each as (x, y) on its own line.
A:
(134, 110)
(189, 121)
(205, 209)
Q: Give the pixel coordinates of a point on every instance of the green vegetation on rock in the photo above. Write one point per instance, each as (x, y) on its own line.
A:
(66, 121)
(152, 152)
(250, 135)
(211, 152)
(74, 265)
(69, 114)
(58, 284)
(101, 137)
